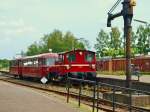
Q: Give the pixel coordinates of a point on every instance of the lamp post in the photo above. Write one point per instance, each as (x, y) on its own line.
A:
(50, 50)
(141, 21)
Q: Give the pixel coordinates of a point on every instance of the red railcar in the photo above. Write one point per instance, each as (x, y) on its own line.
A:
(75, 63)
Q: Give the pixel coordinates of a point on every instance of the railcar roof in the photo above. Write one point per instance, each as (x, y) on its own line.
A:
(44, 55)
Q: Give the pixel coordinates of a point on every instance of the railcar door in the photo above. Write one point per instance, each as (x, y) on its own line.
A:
(35, 67)
(20, 67)
(42, 69)
(14, 67)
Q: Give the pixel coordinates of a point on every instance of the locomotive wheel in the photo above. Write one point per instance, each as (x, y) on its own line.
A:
(52, 77)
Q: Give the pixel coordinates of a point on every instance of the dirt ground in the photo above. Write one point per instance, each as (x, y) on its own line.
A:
(15, 98)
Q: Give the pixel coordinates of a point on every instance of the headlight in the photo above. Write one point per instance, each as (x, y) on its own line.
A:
(67, 67)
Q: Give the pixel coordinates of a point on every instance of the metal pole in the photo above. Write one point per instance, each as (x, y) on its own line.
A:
(128, 58)
(94, 97)
(127, 15)
(80, 90)
(130, 101)
(113, 99)
(68, 87)
(98, 85)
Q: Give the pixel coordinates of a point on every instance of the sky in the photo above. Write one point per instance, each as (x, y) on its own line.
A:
(24, 21)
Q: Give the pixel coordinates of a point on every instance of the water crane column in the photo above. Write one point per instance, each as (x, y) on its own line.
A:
(127, 13)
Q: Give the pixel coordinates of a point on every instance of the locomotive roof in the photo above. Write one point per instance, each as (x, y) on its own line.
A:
(78, 50)
(44, 55)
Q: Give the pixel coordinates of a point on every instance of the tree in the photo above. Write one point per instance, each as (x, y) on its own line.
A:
(115, 41)
(134, 49)
(113, 44)
(143, 34)
(102, 43)
(57, 42)
(33, 49)
(53, 41)
(70, 42)
(4, 63)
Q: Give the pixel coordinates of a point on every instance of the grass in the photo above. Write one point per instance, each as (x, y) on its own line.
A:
(111, 73)
(4, 69)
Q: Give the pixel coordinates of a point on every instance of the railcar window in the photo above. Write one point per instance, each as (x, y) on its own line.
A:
(50, 61)
(20, 63)
(89, 57)
(14, 63)
(28, 63)
(71, 57)
(41, 61)
(35, 62)
(25, 63)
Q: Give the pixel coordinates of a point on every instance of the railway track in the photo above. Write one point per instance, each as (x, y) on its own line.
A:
(102, 104)
(121, 82)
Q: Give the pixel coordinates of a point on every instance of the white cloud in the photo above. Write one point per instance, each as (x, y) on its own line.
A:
(11, 23)
(15, 27)
(18, 23)
(19, 30)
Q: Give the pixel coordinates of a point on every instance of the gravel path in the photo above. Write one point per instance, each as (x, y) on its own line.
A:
(14, 98)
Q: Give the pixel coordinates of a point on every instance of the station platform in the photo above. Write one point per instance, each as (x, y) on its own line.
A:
(15, 98)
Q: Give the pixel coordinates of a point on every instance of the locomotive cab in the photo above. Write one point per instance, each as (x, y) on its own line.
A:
(80, 64)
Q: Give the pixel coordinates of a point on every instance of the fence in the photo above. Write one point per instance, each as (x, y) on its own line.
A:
(118, 64)
(117, 97)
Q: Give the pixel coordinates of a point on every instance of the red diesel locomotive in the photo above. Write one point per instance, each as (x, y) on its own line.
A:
(53, 66)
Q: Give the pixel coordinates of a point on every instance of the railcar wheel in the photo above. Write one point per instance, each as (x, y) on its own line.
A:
(20, 77)
(15, 76)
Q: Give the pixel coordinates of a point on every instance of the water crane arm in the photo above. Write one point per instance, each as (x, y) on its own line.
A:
(111, 17)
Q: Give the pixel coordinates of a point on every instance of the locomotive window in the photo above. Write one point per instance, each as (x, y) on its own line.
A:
(89, 57)
(71, 57)
(60, 58)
